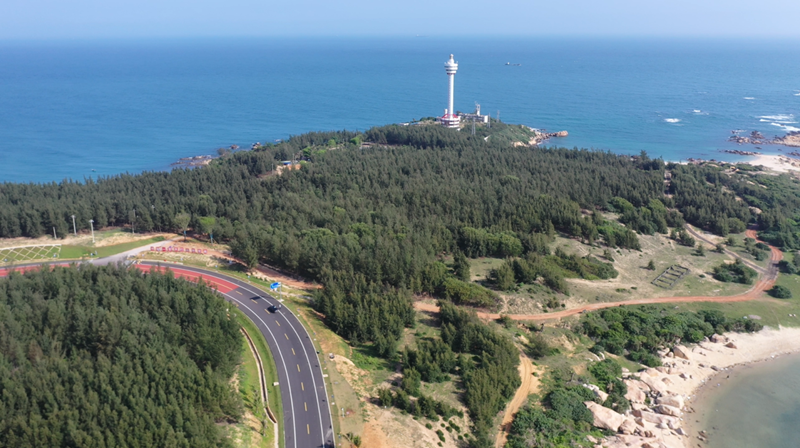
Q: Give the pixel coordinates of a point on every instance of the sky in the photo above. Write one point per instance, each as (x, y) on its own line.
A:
(87, 19)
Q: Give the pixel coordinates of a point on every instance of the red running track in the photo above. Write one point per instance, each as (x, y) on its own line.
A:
(23, 269)
(215, 282)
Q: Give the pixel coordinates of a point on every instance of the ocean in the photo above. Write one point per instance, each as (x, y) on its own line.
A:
(757, 406)
(77, 109)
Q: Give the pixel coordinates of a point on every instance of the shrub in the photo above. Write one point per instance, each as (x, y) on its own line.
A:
(780, 292)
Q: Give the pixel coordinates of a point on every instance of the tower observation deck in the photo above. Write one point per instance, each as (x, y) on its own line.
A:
(450, 119)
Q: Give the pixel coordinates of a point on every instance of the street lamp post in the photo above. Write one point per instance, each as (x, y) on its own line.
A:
(91, 224)
(74, 229)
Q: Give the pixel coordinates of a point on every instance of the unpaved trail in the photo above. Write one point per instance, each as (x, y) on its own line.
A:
(764, 283)
(530, 385)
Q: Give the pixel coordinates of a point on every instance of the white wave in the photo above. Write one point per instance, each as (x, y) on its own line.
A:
(779, 117)
(699, 112)
(672, 120)
(749, 98)
(785, 127)
(797, 94)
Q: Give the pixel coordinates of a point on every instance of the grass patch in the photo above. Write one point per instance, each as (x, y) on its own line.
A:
(270, 370)
(248, 383)
(75, 252)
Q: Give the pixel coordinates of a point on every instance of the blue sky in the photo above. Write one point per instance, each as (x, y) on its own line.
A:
(48, 19)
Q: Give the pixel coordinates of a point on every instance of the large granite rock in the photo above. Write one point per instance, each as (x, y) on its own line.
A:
(680, 352)
(654, 384)
(628, 426)
(604, 417)
(656, 419)
(671, 400)
(668, 410)
(637, 391)
(597, 392)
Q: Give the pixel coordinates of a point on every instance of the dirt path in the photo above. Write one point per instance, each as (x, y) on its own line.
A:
(765, 283)
(530, 384)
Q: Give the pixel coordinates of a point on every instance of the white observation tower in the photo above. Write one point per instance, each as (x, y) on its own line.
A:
(450, 119)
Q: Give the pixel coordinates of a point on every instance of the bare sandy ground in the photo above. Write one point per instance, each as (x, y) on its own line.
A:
(697, 367)
(778, 163)
(530, 385)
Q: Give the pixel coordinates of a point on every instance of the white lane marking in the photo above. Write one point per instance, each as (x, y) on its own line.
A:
(316, 394)
(313, 380)
(280, 353)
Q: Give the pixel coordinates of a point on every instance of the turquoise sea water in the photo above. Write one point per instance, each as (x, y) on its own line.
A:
(759, 406)
(68, 108)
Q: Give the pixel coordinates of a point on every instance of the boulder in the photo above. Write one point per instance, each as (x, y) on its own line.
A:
(668, 410)
(680, 352)
(603, 417)
(654, 418)
(718, 338)
(597, 392)
(730, 345)
(654, 385)
(671, 400)
(636, 393)
(628, 426)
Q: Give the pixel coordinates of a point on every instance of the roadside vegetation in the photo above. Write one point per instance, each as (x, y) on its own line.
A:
(94, 342)
(380, 216)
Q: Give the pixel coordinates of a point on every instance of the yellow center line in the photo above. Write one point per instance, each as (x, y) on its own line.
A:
(254, 300)
(298, 367)
(279, 324)
(308, 428)
(294, 352)
(306, 406)
(302, 386)
(287, 336)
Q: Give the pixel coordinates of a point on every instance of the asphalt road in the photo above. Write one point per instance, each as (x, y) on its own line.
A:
(307, 420)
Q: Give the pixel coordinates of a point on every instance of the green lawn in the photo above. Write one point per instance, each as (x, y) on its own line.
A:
(75, 252)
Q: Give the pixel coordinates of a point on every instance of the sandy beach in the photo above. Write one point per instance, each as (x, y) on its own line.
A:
(663, 419)
(779, 163)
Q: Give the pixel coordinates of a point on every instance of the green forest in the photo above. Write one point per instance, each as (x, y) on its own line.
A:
(110, 357)
(375, 217)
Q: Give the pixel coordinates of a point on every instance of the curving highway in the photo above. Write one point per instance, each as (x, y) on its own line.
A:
(307, 420)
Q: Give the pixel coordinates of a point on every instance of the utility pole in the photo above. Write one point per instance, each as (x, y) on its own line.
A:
(74, 229)
(153, 208)
(91, 223)
(133, 224)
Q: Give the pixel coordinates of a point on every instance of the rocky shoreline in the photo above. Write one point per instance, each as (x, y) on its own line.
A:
(661, 397)
(756, 138)
(541, 136)
(191, 162)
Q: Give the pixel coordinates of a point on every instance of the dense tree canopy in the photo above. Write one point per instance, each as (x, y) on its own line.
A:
(109, 357)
